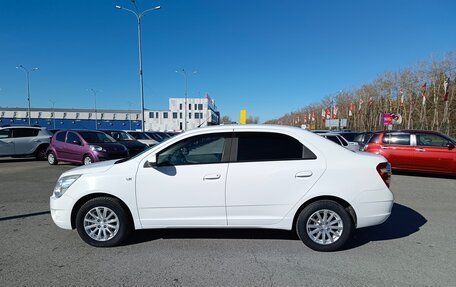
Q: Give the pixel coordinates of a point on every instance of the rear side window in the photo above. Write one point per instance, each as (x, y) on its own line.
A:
(397, 139)
(22, 133)
(270, 146)
(60, 136)
(333, 139)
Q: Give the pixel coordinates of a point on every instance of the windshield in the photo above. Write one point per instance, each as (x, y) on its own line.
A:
(155, 136)
(96, 137)
(139, 135)
(121, 136)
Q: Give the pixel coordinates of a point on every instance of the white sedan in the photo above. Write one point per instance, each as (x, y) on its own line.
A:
(242, 176)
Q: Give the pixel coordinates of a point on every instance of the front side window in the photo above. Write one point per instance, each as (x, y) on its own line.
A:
(5, 133)
(60, 136)
(203, 149)
(256, 146)
(343, 140)
(397, 139)
(423, 139)
(72, 138)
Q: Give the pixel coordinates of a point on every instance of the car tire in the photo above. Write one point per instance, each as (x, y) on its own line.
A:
(87, 159)
(103, 222)
(51, 158)
(324, 226)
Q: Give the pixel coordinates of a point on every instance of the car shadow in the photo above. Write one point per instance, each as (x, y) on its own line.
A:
(424, 174)
(403, 222)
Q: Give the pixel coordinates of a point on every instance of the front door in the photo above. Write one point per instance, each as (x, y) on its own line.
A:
(73, 147)
(398, 149)
(187, 186)
(431, 153)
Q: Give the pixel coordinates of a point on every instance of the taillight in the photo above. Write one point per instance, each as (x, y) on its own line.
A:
(384, 170)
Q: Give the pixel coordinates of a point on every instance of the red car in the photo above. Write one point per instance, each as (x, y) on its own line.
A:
(415, 150)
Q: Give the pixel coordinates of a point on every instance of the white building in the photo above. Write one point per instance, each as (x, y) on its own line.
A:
(200, 112)
(197, 112)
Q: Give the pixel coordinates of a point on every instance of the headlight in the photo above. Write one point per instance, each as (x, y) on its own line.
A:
(63, 184)
(96, 148)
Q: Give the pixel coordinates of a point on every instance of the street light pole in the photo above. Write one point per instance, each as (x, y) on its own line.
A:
(27, 73)
(53, 112)
(184, 73)
(139, 15)
(96, 113)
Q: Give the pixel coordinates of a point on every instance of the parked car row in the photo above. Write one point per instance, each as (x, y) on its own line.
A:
(406, 150)
(75, 146)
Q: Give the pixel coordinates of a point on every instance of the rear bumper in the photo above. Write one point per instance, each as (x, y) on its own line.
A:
(373, 207)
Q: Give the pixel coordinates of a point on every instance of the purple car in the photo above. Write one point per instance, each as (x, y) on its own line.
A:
(83, 147)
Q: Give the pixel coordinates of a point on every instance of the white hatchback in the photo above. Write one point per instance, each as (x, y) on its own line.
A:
(242, 176)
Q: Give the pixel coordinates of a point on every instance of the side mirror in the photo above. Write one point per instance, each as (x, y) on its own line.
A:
(151, 161)
(450, 146)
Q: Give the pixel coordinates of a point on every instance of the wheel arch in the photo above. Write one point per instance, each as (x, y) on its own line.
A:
(88, 197)
(339, 200)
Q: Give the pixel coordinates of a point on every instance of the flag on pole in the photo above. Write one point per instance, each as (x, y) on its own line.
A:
(370, 101)
(335, 112)
(402, 97)
(328, 113)
(322, 114)
(423, 88)
(360, 104)
(313, 116)
(350, 110)
(445, 87)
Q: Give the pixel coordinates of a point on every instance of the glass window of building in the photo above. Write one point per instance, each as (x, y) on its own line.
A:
(165, 115)
(174, 115)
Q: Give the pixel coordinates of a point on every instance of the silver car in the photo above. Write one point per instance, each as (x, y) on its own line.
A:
(24, 141)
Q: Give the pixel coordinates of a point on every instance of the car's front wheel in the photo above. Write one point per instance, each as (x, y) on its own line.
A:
(103, 222)
(87, 160)
(324, 225)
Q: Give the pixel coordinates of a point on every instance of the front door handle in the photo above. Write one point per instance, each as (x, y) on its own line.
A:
(420, 149)
(211, 177)
(303, 174)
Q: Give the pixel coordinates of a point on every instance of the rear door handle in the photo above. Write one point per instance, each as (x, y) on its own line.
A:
(384, 147)
(303, 174)
(420, 149)
(37, 141)
(211, 177)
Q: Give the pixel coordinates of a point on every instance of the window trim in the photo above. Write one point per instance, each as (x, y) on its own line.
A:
(235, 147)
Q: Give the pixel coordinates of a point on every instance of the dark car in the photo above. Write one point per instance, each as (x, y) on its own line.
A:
(362, 139)
(134, 147)
(83, 147)
(158, 136)
(415, 150)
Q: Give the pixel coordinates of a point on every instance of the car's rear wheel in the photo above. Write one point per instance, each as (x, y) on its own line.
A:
(40, 153)
(103, 222)
(87, 160)
(51, 158)
(324, 225)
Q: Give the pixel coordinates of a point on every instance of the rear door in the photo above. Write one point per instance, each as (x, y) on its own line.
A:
(267, 175)
(25, 141)
(58, 144)
(431, 153)
(6, 143)
(397, 148)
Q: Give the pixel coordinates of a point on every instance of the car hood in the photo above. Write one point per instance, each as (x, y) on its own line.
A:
(91, 168)
(111, 147)
(132, 144)
(148, 142)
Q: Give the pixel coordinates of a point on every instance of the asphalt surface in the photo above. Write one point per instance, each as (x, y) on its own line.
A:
(415, 247)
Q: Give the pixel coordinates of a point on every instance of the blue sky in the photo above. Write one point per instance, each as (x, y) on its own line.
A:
(268, 57)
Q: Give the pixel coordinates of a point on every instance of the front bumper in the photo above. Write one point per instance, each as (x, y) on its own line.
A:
(61, 211)
(373, 207)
